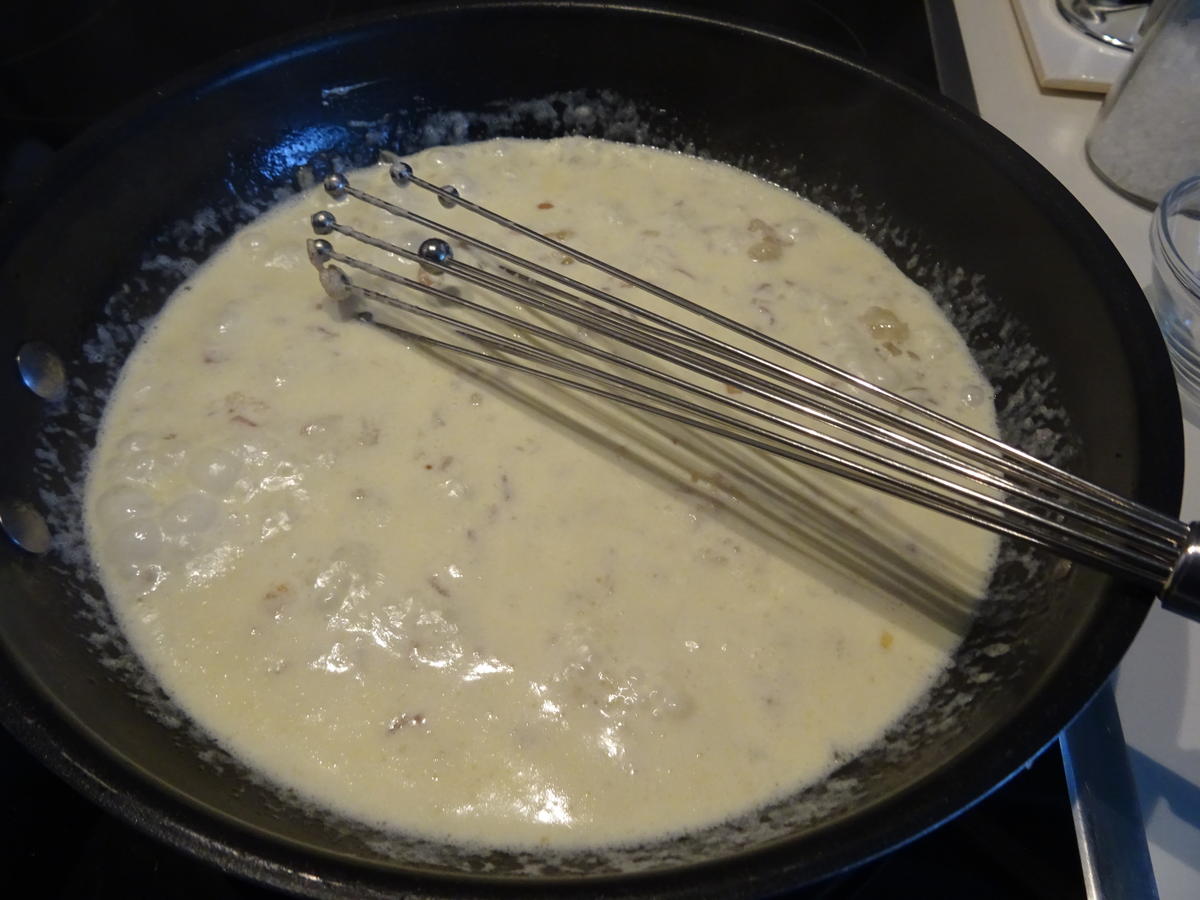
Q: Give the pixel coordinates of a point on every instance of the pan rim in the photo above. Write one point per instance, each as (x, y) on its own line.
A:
(135, 801)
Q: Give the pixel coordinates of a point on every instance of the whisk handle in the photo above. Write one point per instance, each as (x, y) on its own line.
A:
(1182, 592)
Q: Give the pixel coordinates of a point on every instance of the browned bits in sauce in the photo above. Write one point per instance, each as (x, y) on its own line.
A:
(545, 204)
(237, 405)
(766, 313)
(886, 327)
(769, 246)
(438, 587)
(563, 234)
(275, 599)
(886, 640)
(427, 278)
(732, 389)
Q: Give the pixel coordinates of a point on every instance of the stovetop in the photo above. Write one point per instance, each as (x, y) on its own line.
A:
(65, 67)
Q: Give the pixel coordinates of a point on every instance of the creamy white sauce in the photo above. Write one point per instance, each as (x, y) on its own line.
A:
(481, 609)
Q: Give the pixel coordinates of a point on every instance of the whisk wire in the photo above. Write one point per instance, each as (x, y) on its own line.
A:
(929, 492)
(704, 366)
(402, 174)
(1016, 494)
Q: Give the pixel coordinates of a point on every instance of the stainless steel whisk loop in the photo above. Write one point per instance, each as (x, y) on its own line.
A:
(788, 408)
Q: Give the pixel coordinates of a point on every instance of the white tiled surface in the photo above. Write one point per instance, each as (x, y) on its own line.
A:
(1158, 687)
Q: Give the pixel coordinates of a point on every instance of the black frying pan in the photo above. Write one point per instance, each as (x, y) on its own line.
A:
(1040, 294)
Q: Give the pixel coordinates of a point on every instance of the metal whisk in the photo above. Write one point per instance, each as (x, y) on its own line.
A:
(795, 406)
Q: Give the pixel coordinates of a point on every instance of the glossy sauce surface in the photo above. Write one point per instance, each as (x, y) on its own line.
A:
(482, 609)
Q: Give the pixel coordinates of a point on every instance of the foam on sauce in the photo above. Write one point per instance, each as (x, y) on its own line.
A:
(471, 607)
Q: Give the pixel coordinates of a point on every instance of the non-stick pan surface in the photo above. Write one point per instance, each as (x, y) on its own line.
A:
(1039, 293)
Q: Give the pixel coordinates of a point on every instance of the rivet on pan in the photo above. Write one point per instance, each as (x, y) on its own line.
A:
(24, 526)
(42, 371)
(1062, 568)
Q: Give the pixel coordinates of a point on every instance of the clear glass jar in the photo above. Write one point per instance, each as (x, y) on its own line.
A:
(1147, 136)
(1175, 291)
